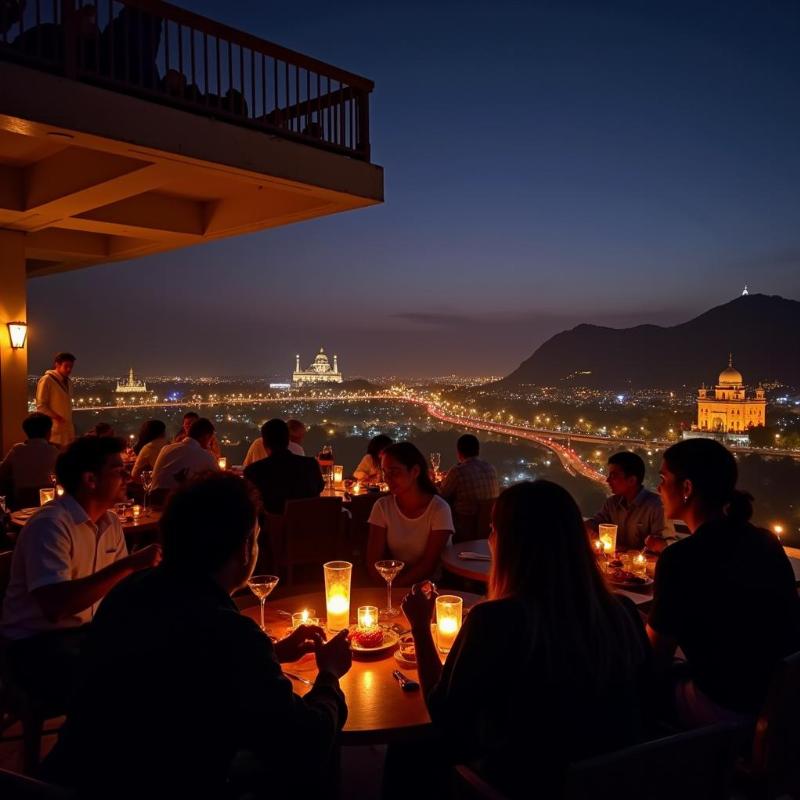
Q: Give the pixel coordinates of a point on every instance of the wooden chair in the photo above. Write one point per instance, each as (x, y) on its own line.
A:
(697, 765)
(360, 509)
(19, 787)
(313, 533)
(775, 767)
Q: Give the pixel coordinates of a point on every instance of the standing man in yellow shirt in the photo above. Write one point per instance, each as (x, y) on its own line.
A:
(54, 398)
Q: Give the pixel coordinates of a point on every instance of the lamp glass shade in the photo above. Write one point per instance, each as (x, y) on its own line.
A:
(17, 333)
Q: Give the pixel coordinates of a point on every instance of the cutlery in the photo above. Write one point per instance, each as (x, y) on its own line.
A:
(294, 677)
(406, 684)
(466, 555)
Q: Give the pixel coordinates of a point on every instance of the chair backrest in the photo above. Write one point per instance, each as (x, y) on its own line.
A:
(5, 572)
(776, 743)
(313, 532)
(360, 509)
(696, 765)
(20, 787)
(474, 526)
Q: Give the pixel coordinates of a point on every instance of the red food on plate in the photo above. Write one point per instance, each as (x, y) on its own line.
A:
(367, 638)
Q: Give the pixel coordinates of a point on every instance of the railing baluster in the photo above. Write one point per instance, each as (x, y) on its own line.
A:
(191, 44)
(263, 87)
(252, 114)
(205, 68)
(242, 88)
(288, 95)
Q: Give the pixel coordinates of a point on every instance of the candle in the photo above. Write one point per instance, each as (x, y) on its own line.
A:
(338, 473)
(337, 593)
(448, 620)
(598, 547)
(137, 511)
(367, 617)
(59, 490)
(356, 488)
(608, 536)
(222, 462)
(304, 617)
(46, 496)
(640, 564)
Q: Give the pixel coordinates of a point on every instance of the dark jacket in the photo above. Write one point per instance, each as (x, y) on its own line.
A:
(284, 476)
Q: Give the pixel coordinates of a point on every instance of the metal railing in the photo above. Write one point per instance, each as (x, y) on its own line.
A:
(153, 49)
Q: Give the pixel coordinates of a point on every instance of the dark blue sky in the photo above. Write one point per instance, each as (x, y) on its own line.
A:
(547, 163)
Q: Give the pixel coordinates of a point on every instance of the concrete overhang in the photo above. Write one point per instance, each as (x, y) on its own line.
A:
(93, 175)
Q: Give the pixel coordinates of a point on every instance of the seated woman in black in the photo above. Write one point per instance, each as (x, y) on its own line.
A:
(547, 671)
(725, 595)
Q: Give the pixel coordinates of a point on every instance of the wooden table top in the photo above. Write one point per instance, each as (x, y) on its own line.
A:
(145, 524)
(379, 711)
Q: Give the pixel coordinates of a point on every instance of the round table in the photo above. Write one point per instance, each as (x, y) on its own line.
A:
(379, 711)
(131, 528)
(477, 570)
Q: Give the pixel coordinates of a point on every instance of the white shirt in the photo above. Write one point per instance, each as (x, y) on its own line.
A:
(367, 470)
(187, 457)
(59, 543)
(148, 455)
(54, 396)
(257, 451)
(407, 538)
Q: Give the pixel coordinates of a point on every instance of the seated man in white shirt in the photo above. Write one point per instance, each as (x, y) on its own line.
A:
(68, 557)
(297, 432)
(182, 460)
(28, 465)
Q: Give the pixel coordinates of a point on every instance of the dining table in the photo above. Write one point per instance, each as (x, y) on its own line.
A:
(379, 711)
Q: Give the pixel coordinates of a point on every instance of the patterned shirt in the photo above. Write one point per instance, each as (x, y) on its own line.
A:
(635, 522)
(467, 483)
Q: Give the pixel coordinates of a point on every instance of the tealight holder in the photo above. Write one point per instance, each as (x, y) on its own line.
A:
(46, 496)
(449, 609)
(367, 618)
(304, 617)
(608, 536)
(222, 462)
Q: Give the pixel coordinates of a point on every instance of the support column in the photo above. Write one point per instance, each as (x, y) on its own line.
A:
(13, 363)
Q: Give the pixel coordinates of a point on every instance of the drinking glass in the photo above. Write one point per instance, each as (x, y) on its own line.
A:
(436, 462)
(146, 477)
(325, 459)
(51, 476)
(261, 586)
(389, 570)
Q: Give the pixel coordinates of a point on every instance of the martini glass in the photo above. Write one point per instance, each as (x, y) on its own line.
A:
(261, 586)
(389, 570)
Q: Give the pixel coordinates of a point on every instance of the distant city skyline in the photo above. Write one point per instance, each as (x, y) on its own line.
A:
(546, 165)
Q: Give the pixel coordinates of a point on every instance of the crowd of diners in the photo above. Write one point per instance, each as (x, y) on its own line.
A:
(169, 689)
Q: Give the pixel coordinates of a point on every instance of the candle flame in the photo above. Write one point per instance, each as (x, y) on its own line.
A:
(448, 625)
(338, 604)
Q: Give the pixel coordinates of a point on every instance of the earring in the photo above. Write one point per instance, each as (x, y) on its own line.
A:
(685, 499)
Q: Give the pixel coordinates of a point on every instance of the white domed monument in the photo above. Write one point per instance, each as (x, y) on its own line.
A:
(320, 370)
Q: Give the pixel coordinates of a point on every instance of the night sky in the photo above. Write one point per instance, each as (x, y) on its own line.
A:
(546, 163)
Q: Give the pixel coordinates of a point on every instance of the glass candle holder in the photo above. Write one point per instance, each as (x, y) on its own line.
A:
(608, 536)
(356, 488)
(222, 462)
(304, 617)
(59, 490)
(368, 617)
(639, 565)
(338, 473)
(46, 496)
(449, 609)
(337, 593)
(136, 510)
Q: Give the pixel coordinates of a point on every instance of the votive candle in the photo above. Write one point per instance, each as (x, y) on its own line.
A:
(337, 593)
(338, 473)
(46, 496)
(304, 617)
(222, 462)
(449, 608)
(640, 564)
(608, 536)
(136, 510)
(367, 617)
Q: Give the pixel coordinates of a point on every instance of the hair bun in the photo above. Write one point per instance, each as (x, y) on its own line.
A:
(740, 506)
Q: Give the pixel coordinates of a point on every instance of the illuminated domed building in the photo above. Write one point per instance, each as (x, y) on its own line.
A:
(320, 371)
(727, 412)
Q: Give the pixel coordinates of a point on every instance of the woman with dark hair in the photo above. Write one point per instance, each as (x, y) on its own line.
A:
(369, 468)
(412, 524)
(574, 653)
(725, 595)
(152, 437)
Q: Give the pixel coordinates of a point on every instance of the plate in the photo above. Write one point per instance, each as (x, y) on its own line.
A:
(390, 640)
(631, 584)
(398, 657)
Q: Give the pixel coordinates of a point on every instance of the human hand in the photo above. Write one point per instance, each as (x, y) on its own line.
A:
(418, 605)
(335, 656)
(656, 544)
(303, 639)
(145, 558)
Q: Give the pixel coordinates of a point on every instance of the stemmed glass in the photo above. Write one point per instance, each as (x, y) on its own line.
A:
(436, 462)
(261, 586)
(146, 477)
(389, 570)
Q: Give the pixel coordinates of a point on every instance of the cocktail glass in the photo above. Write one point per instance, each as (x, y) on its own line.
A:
(389, 570)
(261, 586)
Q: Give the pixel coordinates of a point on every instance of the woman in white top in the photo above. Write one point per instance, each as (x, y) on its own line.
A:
(152, 437)
(369, 468)
(412, 524)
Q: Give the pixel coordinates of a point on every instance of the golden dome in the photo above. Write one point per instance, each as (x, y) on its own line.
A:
(730, 376)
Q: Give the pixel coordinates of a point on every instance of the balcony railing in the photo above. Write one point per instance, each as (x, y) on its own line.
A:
(156, 50)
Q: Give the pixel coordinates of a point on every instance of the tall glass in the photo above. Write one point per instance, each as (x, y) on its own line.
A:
(261, 586)
(449, 610)
(325, 459)
(389, 570)
(146, 477)
(337, 593)
(608, 536)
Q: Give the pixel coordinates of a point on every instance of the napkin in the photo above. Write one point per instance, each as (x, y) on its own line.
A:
(467, 555)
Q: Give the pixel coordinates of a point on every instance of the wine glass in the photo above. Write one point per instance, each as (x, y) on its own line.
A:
(261, 586)
(325, 459)
(146, 477)
(389, 570)
(436, 462)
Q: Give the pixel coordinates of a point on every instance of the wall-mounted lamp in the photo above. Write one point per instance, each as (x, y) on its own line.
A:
(17, 331)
